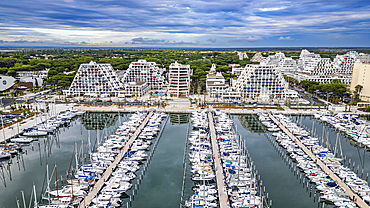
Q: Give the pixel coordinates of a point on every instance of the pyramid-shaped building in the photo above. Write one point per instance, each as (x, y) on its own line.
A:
(95, 80)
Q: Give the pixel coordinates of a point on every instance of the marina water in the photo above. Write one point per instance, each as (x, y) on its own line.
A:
(161, 183)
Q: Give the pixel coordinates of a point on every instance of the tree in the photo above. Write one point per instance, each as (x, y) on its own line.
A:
(52, 73)
(358, 88)
(11, 73)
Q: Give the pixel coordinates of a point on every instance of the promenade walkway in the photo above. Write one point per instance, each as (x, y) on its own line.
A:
(222, 196)
(12, 130)
(97, 187)
(358, 200)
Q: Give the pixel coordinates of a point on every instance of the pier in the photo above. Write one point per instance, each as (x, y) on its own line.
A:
(358, 200)
(97, 187)
(17, 128)
(222, 195)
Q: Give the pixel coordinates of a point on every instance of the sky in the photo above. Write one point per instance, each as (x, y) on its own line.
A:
(190, 23)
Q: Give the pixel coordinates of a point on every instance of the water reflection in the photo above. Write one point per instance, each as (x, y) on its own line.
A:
(92, 121)
(29, 167)
(178, 119)
(354, 155)
(285, 183)
(251, 123)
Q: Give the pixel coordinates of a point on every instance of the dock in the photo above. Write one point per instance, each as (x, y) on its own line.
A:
(16, 128)
(358, 200)
(222, 195)
(97, 187)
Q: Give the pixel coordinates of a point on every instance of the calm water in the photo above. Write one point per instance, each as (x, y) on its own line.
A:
(24, 170)
(359, 156)
(282, 184)
(159, 183)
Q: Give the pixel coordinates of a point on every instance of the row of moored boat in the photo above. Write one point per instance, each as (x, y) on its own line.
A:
(120, 180)
(353, 126)
(329, 189)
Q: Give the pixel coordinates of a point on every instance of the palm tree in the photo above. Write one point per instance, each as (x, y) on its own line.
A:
(271, 98)
(14, 102)
(359, 88)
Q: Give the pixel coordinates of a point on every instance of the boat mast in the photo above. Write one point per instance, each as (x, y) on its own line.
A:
(2, 123)
(47, 178)
(336, 145)
(24, 201)
(34, 192)
(76, 161)
(56, 180)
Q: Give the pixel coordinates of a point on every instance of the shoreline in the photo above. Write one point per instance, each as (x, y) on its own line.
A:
(187, 110)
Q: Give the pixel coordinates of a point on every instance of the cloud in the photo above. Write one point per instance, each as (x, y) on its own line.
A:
(285, 38)
(19, 42)
(270, 9)
(150, 41)
(247, 39)
(141, 40)
(99, 22)
(212, 40)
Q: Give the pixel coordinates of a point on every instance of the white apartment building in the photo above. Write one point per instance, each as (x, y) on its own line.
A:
(94, 79)
(143, 71)
(262, 81)
(258, 57)
(179, 79)
(324, 67)
(288, 65)
(364, 57)
(43, 74)
(307, 61)
(242, 55)
(322, 79)
(134, 89)
(306, 54)
(212, 70)
(216, 85)
(274, 59)
(345, 62)
(237, 70)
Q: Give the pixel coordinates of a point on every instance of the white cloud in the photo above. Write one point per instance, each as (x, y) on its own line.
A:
(272, 9)
(247, 39)
(285, 38)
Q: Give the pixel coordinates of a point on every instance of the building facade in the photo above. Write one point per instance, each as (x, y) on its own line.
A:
(179, 79)
(6, 82)
(361, 76)
(143, 71)
(262, 81)
(95, 80)
(216, 85)
(43, 74)
(288, 65)
(258, 57)
(135, 89)
(242, 55)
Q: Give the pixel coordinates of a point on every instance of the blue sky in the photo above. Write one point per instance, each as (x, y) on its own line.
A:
(190, 23)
